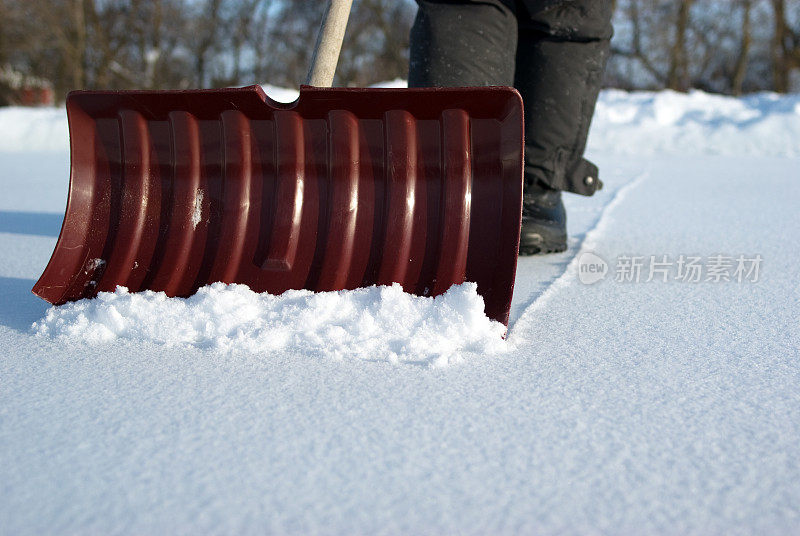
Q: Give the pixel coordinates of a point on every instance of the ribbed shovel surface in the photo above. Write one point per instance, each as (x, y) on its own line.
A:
(173, 190)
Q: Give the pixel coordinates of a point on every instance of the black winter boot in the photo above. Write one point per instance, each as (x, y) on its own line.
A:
(544, 221)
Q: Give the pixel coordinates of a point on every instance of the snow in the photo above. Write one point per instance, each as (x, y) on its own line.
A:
(33, 129)
(375, 323)
(646, 123)
(658, 407)
(280, 94)
(197, 212)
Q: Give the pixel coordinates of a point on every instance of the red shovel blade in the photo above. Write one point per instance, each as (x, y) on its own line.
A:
(344, 188)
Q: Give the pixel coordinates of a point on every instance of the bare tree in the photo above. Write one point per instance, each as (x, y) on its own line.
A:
(205, 32)
(376, 44)
(729, 46)
(678, 73)
(740, 69)
(722, 46)
(639, 49)
(785, 47)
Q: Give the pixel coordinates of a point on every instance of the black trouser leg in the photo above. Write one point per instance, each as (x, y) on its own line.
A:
(561, 54)
(552, 51)
(462, 44)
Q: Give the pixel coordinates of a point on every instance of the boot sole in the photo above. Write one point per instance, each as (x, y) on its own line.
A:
(535, 244)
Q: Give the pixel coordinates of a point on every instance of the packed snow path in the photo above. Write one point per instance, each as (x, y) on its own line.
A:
(620, 406)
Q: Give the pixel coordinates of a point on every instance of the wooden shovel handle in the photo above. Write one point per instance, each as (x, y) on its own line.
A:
(329, 43)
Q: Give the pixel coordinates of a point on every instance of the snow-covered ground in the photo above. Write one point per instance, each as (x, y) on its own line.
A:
(662, 398)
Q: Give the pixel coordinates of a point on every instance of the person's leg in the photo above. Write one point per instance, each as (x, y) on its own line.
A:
(463, 43)
(561, 55)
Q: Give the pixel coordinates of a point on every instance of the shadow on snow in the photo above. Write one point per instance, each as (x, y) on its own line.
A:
(31, 223)
(19, 308)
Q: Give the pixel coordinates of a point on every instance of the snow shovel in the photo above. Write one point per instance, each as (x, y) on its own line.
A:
(344, 188)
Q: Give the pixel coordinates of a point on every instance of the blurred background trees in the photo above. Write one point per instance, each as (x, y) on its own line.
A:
(726, 46)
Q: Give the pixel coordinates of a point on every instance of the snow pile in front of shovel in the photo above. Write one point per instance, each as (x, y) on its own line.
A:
(375, 323)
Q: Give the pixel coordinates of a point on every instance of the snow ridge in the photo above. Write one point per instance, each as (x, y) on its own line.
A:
(666, 122)
(375, 323)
